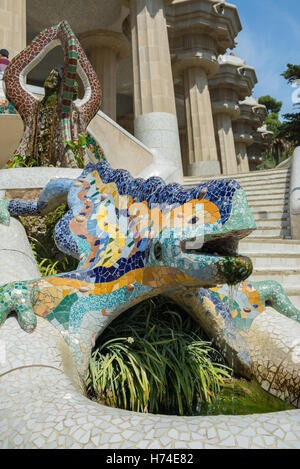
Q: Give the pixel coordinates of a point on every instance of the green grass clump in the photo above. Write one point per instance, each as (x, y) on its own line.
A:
(154, 359)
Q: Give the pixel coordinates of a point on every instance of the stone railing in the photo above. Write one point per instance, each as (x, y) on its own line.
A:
(295, 195)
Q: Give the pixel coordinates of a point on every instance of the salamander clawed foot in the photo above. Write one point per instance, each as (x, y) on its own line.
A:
(18, 297)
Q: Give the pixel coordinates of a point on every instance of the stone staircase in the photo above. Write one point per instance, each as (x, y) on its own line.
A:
(274, 255)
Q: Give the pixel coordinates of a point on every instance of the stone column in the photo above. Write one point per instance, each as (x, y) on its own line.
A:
(154, 100)
(234, 81)
(104, 49)
(243, 139)
(13, 26)
(199, 32)
(251, 117)
(262, 140)
(202, 151)
(226, 143)
(104, 63)
(242, 156)
(152, 72)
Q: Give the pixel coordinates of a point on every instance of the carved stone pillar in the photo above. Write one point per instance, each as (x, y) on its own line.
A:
(234, 81)
(251, 117)
(154, 100)
(104, 49)
(13, 26)
(199, 32)
(242, 156)
(202, 151)
(226, 143)
(262, 140)
(153, 81)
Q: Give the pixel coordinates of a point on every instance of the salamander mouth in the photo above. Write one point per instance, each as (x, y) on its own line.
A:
(218, 247)
(231, 268)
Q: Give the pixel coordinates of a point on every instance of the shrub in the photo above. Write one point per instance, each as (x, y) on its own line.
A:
(154, 359)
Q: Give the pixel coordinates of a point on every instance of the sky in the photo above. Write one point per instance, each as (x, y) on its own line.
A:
(269, 40)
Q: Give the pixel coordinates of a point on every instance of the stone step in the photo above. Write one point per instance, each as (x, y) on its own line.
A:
(271, 223)
(268, 212)
(287, 277)
(257, 185)
(281, 213)
(276, 261)
(250, 174)
(266, 192)
(267, 202)
(285, 187)
(263, 185)
(274, 246)
(267, 197)
(266, 179)
(270, 233)
(269, 209)
(258, 176)
(268, 184)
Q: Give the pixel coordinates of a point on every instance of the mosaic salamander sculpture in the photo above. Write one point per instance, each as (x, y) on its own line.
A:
(135, 239)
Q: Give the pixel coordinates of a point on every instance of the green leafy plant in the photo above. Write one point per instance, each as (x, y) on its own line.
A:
(76, 148)
(47, 263)
(153, 359)
(52, 218)
(18, 161)
(269, 161)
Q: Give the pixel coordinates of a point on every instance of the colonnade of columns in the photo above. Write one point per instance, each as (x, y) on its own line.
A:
(194, 35)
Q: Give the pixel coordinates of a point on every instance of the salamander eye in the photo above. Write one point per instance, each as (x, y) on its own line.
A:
(158, 251)
(194, 220)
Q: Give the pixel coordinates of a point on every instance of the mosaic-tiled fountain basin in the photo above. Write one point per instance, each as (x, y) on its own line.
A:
(43, 405)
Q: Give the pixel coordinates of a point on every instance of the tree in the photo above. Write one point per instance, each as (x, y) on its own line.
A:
(292, 73)
(273, 106)
(290, 129)
(279, 148)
